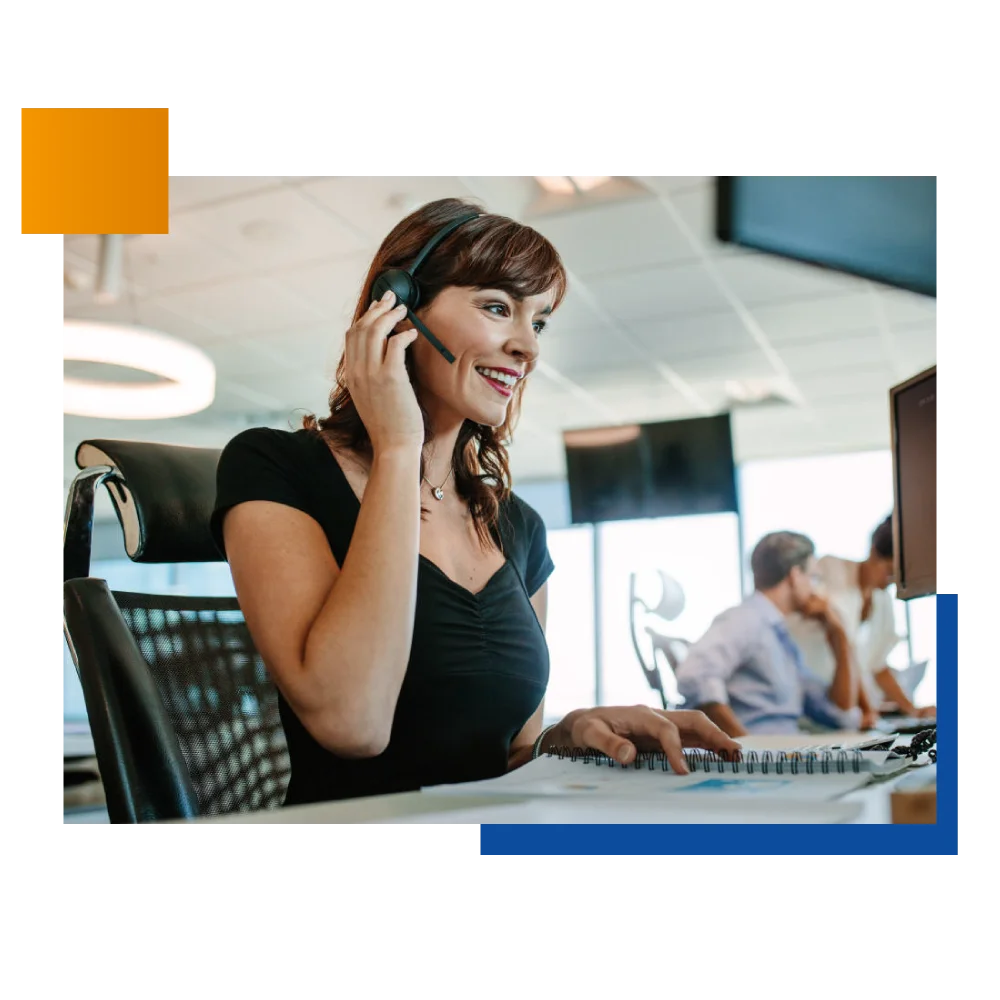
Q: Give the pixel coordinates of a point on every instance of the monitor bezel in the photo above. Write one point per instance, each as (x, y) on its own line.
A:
(924, 587)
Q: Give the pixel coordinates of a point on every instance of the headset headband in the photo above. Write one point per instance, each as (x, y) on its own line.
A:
(438, 237)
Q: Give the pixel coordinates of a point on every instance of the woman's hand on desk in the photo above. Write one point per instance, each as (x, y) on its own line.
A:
(621, 732)
(927, 712)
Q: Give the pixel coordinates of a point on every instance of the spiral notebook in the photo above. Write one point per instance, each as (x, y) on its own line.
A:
(804, 776)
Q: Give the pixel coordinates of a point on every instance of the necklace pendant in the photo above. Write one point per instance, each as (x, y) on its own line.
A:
(438, 493)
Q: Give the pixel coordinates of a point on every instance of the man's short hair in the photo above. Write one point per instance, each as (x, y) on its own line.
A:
(776, 554)
(882, 538)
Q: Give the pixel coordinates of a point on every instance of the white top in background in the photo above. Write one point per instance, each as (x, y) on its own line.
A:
(872, 641)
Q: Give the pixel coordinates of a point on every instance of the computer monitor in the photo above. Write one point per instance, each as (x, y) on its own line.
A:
(913, 409)
(883, 228)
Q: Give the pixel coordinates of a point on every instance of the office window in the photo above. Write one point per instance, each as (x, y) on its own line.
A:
(700, 553)
(923, 636)
(900, 656)
(570, 628)
(71, 703)
(837, 500)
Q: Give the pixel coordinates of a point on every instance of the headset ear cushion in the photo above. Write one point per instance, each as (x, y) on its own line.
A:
(401, 283)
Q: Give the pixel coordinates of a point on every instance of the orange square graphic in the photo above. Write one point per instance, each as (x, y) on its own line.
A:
(94, 170)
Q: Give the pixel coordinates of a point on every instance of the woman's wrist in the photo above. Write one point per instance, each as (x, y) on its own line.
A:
(560, 735)
(398, 453)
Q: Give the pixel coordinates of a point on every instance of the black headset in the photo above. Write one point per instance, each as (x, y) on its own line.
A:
(406, 288)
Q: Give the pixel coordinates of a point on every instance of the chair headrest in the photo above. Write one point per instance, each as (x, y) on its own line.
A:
(166, 501)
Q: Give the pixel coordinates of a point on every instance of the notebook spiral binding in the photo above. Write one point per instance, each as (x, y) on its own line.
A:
(824, 762)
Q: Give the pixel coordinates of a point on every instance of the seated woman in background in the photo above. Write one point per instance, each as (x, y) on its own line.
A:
(392, 582)
(857, 592)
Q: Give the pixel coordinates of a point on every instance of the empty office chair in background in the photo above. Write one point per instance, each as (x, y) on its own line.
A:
(183, 715)
(649, 617)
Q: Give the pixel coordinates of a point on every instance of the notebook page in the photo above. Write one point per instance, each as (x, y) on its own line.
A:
(552, 776)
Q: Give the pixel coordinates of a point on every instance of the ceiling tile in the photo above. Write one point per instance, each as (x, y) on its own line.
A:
(907, 307)
(575, 313)
(510, 196)
(632, 378)
(758, 278)
(746, 364)
(374, 205)
(707, 335)
(182, 257)
(296, 390)
(238, 357)
(589, 350)
(696, 206)
(639, 405)
(672, 185)
(234, 397)
(81, 248)
(915, 348)
(551, 406)
(813, 318)
(825, 354)
(313, 349)
(144, 312)
(244, 306)
(332, 286)
(658, 293)
(188, 192)
(858, 418)
(615, 237)
(867, 383)
(774, 432)
(275, 229)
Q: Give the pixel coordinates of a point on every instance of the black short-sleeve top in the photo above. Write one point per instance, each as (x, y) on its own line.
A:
(478, 664)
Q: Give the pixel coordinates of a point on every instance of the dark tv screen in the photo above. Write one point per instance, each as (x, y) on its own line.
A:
(676, 468)
(883, 228)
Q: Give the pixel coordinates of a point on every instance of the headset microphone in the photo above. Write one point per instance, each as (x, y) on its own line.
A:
(405, 287)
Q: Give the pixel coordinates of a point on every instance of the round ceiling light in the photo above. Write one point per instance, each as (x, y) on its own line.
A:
(189, 373)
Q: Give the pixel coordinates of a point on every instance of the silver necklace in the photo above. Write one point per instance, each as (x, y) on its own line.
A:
(438, 491)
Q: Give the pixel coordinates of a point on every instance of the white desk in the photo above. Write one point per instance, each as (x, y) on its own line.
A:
(864, 805)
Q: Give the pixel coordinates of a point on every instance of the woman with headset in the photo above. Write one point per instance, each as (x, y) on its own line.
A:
(393, 584)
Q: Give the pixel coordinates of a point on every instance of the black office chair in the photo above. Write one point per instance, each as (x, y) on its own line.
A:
(183, 715)
(664, 647)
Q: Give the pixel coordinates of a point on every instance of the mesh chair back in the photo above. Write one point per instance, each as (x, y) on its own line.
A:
(218, 697)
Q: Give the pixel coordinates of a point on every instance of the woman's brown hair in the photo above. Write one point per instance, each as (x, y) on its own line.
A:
(491, 251)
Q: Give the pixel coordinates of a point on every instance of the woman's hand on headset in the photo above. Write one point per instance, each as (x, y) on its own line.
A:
(377, 379)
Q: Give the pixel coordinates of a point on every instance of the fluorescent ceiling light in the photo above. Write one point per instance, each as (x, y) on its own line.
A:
(571, 185)
(189, 371)
(755, 392)
(601, 437)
